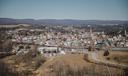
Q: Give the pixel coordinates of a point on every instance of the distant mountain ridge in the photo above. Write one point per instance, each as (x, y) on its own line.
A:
(7, 21)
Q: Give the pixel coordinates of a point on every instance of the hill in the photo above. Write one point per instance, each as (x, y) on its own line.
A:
(9, 21)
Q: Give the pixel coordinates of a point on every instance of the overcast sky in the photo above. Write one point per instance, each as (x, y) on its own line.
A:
(65, 9)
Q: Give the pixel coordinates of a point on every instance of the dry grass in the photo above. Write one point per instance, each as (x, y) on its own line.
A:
(24, 65)
(75, 65)
(115, 56)
(66, 65)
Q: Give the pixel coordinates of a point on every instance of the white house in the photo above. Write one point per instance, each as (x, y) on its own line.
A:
(48, 51)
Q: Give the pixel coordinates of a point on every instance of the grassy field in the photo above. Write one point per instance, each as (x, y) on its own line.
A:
(20, 65)
(65, 65)
(75, 65)
(115, 56)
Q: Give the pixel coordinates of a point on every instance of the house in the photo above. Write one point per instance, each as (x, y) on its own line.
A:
(48, 51)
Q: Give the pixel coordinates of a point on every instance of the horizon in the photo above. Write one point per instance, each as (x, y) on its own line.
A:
(66, 19)
(65, 9)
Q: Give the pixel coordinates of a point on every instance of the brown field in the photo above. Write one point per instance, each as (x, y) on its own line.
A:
(66, 65)
(115, 56)
(75, 65)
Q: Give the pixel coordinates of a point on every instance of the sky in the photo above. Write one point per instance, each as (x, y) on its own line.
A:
(65, 9)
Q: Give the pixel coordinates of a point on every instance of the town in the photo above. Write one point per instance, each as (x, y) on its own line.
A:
(50, 42)
(41, 44)
(63, 37)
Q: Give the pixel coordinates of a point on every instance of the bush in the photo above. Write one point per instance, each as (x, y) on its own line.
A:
(106, 53)
(5, 71)
(108, 58)
(38, 61)
(31, 59)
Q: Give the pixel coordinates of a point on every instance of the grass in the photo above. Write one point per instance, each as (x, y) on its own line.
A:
(75, 65)
(115, 56)
(66, 65)
(24, 65)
